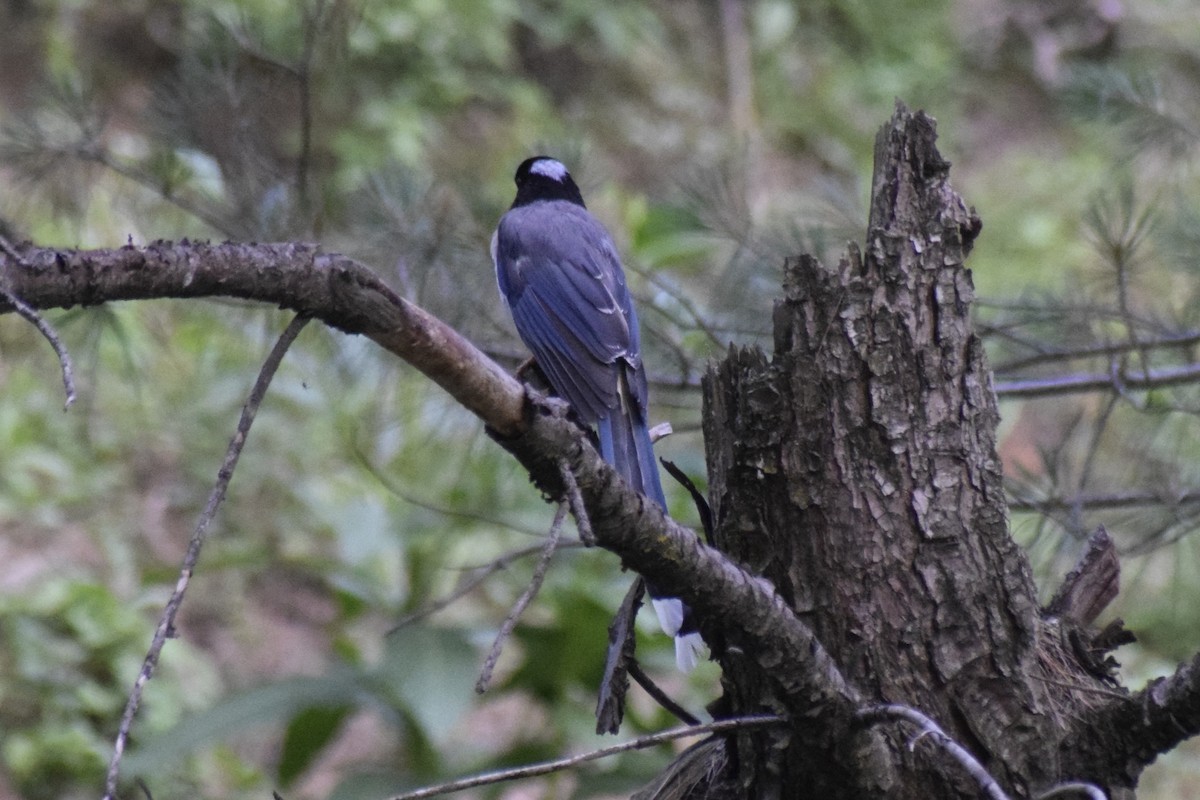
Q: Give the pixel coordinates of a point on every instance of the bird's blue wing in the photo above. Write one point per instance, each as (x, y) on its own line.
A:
(560, 274)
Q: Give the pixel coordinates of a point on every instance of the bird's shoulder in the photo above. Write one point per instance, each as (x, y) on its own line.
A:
(555, 230)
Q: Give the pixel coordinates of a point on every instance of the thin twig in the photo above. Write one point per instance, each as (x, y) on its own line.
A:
(1115, 500)
(482, 573)
(699, 321)
(313, 22)
(1072, 384)
(535, 583)
(1090, 789)
(547, 767)
(662, 698)
(12, 251)
(703, 509)
(29, 314)
(148, 181)
(619, 655)
(575, 499)
(1099, 427)
(1180, 340)
(1079, 687)
(1057, 309)
(873, 714)
(393, 487)
(166, 624)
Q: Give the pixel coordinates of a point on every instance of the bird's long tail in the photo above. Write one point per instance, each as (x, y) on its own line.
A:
(625, 443)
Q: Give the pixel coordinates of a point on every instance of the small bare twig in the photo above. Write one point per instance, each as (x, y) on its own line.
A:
(482, 573)
(1115, 500)
(1044, 356)
(575, 499)
(394, 487)
(702, 507)
(1079, 687)
(880, 713)
(1090, 789)
(535, 583)
(313, 25)
(1099, 427)
(698, 319)
(30, 315)
(1056, 309)
(145, 179)
(547, 767)
(1073, 384)
(12, 251)
(166, 623)
(662, 698)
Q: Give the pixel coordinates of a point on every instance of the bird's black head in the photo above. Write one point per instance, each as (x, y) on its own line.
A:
(544, 178)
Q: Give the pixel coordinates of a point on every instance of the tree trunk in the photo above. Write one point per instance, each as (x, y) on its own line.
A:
(857, 470)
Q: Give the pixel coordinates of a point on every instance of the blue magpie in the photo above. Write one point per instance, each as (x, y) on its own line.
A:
(561, 277)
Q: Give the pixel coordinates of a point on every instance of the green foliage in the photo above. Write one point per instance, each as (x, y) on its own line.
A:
(307, 734)
(421, 686)
(390, 131)
(68, 647)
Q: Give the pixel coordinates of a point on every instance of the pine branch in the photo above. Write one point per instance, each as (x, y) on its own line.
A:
(1119, 381)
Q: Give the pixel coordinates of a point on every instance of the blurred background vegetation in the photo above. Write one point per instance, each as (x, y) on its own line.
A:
(715, 138)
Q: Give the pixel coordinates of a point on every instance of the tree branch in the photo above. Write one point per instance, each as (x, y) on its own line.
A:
(535, 585)
(1119, 381)
(346, 295)
(722, 595)
(1108, 501)
(545, 768)
(873, 714)
(1122, 738)
(1091, 584)
(333, 288)
(1050, 356)
(35, 319)
(470, 584)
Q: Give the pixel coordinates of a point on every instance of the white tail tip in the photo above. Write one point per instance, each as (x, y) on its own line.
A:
(688, 649)
(670, 614)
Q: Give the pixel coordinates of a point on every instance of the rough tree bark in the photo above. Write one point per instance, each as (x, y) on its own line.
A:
(857, 470)
(863, 554)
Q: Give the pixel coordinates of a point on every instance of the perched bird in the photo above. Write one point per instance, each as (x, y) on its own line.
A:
(561, 277)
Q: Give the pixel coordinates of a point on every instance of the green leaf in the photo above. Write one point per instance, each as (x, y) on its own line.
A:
(306, 735)
(264, 705)
(431, 673)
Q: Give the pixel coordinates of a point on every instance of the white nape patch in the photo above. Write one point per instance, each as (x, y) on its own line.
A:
(670, 614)
(688, 649)
(554, 170)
